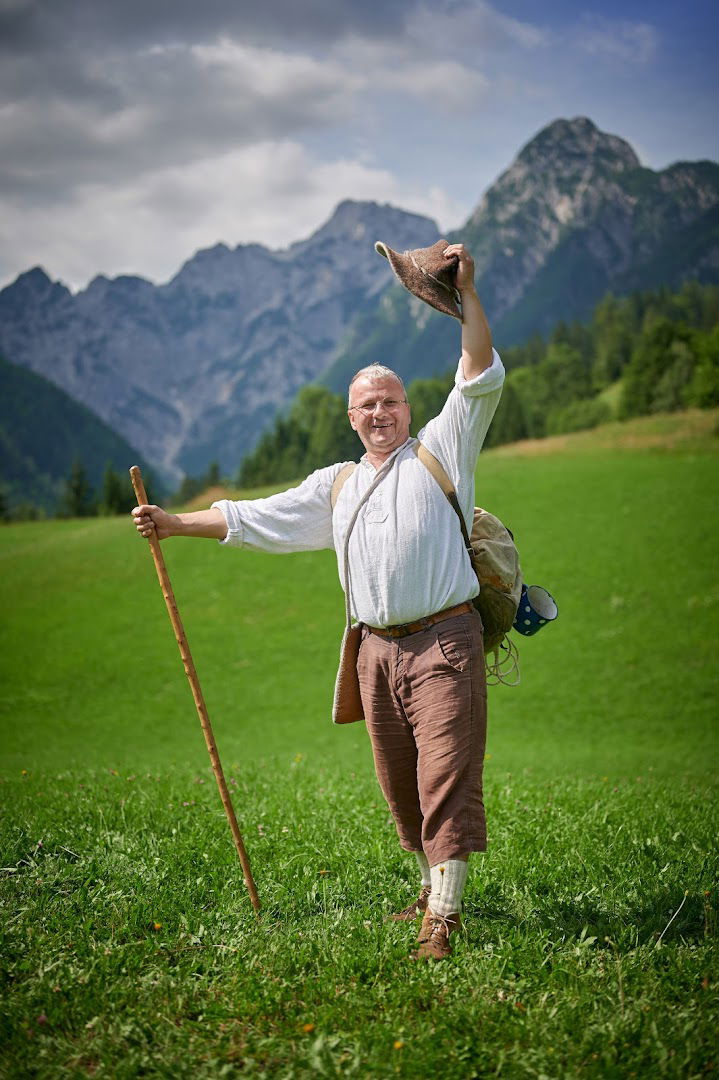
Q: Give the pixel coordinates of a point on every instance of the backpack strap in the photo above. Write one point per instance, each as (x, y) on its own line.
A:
(435, 467)
(339, 482)
(439, 472)
(504, 667)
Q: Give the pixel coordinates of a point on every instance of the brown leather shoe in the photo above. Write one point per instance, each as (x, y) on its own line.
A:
(415, 909)
(434, 935)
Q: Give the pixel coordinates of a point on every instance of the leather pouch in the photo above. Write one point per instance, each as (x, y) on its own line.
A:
(347, 704)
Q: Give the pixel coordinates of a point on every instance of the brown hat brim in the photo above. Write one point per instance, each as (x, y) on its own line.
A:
(419, 281)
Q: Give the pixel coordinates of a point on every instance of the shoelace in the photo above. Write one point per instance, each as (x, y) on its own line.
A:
(439, 923)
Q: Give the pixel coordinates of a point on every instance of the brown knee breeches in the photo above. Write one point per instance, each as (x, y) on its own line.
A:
(425, 703)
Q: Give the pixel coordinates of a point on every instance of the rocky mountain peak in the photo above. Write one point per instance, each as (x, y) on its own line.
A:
(130, 286)
(577, 139)
(359, 224)
(561, 181)
(33, 279)
(30, 291)
(220, 270)
(558, 172)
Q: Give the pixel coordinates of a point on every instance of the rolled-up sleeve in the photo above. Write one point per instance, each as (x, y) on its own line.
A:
(487, 382)
(299, 519)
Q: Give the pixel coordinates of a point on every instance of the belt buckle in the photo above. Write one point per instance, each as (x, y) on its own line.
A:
(399, 629)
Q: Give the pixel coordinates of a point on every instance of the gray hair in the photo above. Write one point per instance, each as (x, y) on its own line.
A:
(375, 371)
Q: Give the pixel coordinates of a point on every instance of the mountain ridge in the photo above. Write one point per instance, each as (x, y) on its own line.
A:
(194, 370)
(199, 364)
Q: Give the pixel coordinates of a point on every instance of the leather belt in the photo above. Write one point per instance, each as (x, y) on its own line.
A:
(403, 629)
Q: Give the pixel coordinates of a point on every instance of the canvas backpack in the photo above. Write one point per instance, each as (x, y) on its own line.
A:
(495, 560)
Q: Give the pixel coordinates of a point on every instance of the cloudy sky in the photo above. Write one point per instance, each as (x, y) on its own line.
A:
(133, 132)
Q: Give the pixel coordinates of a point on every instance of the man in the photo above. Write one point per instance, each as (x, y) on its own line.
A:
(421, 660)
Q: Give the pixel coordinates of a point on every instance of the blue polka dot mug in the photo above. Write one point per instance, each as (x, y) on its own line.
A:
(536, 609)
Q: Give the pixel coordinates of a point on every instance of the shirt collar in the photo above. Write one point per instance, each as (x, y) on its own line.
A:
(368, 465)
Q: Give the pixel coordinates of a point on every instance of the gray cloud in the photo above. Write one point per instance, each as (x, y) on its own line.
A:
(93, 90)
(128, 123)
(163, 106)
(32, 26)
(98, 92)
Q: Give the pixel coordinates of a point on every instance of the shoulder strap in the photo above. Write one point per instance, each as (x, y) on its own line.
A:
(439, 473)
(339, 482)
(435, 467)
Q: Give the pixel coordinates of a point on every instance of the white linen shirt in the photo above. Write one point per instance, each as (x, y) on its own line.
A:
(406, 553)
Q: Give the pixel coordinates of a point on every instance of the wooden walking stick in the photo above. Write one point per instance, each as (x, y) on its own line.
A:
(194, 682)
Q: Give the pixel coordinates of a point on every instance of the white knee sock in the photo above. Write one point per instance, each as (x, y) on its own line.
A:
(423, 865)
(436, 874)
(448, 881)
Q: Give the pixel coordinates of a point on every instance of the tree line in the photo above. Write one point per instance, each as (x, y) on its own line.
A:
(78, 497)
(648, 352)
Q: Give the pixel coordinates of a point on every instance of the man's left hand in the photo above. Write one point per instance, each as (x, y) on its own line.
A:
(465, 267)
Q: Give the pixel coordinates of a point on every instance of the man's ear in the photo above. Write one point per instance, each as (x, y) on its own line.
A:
(350, 417)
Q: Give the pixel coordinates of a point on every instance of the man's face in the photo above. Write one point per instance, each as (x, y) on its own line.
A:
(387, 426)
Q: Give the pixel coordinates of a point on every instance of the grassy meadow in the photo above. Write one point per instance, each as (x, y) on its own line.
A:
(129, 947)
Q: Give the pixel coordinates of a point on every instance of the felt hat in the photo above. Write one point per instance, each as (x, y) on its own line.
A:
(426, 273)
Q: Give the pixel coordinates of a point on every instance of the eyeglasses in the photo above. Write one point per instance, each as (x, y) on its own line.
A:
(368, 407)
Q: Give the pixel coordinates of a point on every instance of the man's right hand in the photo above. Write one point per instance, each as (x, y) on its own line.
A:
(149, 519)
(209, 523)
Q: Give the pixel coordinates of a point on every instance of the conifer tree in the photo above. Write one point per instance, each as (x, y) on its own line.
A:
(117, 496)
(704, 387)
(212, 476)
(77, 498)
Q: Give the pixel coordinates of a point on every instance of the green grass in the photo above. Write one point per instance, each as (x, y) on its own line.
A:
(626, 542)
(131, 949)
(129, 945)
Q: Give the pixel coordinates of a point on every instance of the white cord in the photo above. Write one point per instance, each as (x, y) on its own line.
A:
(503, 669)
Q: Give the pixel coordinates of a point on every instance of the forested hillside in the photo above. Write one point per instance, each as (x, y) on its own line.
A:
(70, 444)
(645, 353)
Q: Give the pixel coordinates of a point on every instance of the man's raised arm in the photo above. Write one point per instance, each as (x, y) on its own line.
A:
(476, 335)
